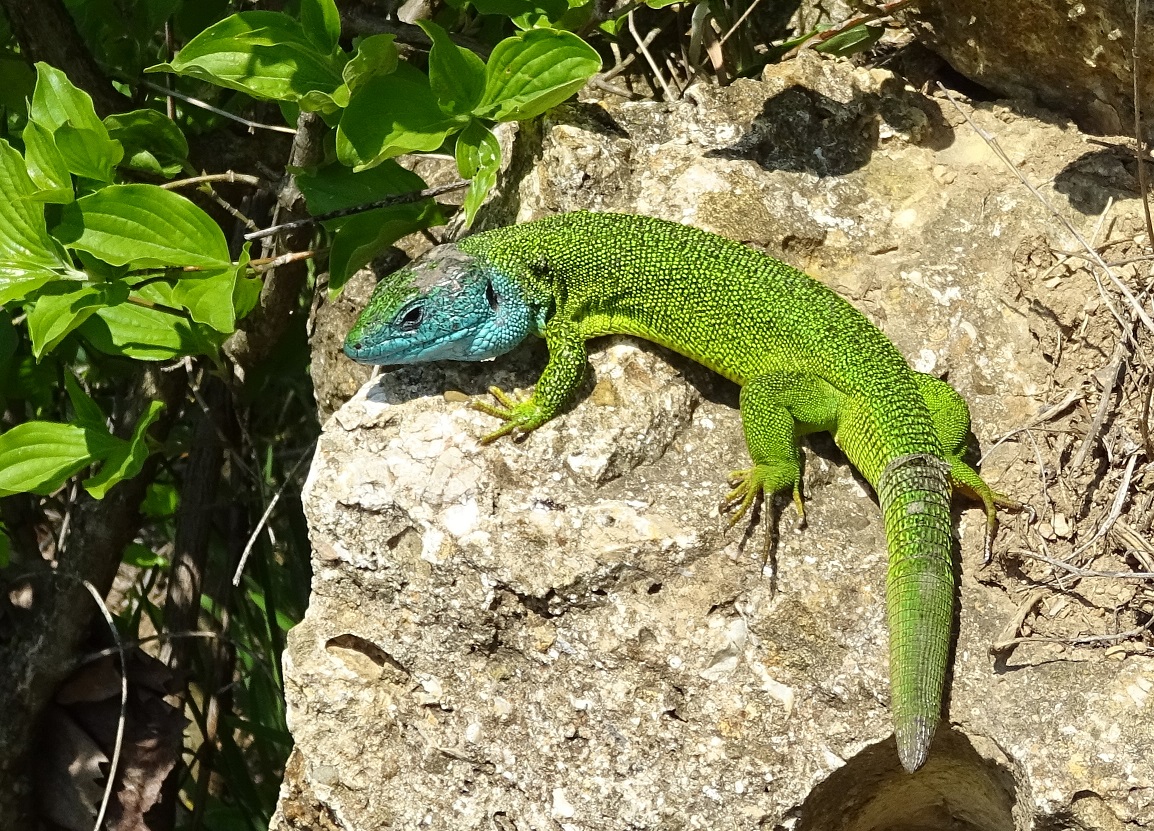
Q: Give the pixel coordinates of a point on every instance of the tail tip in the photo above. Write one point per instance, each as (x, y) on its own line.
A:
(914, 737)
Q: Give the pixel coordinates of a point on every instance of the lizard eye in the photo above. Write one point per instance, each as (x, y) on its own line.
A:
(492, 296)
(412, 318)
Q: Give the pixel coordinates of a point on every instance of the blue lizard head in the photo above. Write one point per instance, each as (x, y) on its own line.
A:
(445, 306)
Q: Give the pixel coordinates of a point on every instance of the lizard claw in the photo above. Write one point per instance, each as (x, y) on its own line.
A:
(523, 415)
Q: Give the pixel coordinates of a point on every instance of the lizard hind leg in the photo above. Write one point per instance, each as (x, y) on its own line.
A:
(951, 418)
(777, 408)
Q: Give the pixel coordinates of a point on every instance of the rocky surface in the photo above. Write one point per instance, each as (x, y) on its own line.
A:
(559, 634)
(1072, 56)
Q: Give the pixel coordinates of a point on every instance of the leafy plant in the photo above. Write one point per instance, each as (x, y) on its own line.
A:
(384, 107)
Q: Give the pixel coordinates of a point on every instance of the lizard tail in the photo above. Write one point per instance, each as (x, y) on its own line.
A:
(914, 492)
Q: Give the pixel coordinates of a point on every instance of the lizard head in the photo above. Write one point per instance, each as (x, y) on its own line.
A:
(446, 306)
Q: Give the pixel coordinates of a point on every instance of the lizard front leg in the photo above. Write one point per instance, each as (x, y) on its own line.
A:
(559, 380)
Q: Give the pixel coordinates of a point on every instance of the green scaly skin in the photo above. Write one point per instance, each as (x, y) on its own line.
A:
(807, 361)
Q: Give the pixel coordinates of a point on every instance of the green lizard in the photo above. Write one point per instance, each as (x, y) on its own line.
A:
(806, 360)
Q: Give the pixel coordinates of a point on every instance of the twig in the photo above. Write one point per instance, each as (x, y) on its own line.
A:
(264, 264)
(614, 89)
(993, 144)
(227, 176)
(398, 199)
(1113, 372)
(204, 105)
(115, 763)
(1045, 414)
(738, 22)
(1009, 636)
(644, 48)
(1083, 572)
(1115, 507)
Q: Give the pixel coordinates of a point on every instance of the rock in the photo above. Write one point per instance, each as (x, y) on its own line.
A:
(1070, 56)
(559, 633)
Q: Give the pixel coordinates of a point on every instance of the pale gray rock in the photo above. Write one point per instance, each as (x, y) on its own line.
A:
(560, 634)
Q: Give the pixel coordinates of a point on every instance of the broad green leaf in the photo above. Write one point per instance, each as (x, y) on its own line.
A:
(335, 186)
(152, 142)
(533, 71)
(127, 459)
(146, 334)
(17, 283)
(66, 305)
(376, 55)
(321, 23)
(456, 75)
(265, 54)
(88, 153)
(24, 240)
(145, 226)
(88, 413)
(478, 159)
(392, 115)
(209, 298)
(363, 236)
(246, 292)
(56, 102)
(851, 41)
(46, 167)
(39, 456)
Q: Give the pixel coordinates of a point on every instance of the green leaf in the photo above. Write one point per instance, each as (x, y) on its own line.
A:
(88, 153)
(46, 167)
(56, 102)
(127, 459)
(209, 298)
(24, 240)
(321, 23)
(152, 141)
(376, 55)
(456, 75)
(363, 236)
(146, 334)
(391, 115)
(39, 456)
(145, 226)
(265, 54)
(851, 41)
(335, 187)
(533, 71)
(88, 413)
(478, 159)
(64, 306)
(17, 283)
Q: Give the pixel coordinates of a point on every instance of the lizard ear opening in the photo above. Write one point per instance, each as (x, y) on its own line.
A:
(492, 296)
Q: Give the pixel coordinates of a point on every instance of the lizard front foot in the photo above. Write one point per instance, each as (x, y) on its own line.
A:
(524, 415)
